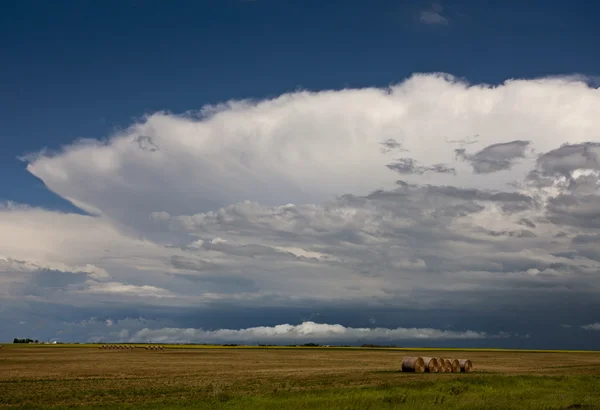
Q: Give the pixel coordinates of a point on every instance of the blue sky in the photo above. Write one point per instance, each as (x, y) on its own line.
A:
(93, 70)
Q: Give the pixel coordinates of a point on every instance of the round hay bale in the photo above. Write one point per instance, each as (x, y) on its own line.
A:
(431, 365)
(455, 364)
(448, 365)
(466, 365)
(441, 364)
(413, 364)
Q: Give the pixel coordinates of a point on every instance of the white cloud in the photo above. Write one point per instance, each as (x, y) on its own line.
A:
(302, 333)
(308, 147)
(12, 265)
(121, 288)
(592, 326)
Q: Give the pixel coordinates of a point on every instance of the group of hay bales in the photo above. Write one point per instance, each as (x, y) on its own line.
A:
(435, 365)
(128, 347)
(116, 347)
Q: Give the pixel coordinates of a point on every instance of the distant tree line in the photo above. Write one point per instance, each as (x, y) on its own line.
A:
(16, 340)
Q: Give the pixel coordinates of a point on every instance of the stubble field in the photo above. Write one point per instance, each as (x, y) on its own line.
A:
(291, 378)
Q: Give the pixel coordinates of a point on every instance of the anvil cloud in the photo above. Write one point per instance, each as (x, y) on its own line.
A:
(458, 205)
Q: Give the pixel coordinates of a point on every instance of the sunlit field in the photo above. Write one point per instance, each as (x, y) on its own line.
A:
(84, 376)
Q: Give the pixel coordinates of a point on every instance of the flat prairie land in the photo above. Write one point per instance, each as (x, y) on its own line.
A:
(79, 376)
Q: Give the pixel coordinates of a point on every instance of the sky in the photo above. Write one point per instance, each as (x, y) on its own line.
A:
(282, 171)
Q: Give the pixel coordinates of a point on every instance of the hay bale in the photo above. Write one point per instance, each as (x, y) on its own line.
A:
(431, 365)
(466, 365)
(442, 365)
(455, 365)
(448, 365)
(413, 364)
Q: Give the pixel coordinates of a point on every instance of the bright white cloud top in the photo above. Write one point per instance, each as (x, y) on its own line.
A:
(306, 332)
(429, 193)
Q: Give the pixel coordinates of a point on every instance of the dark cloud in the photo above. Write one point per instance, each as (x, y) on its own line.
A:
(568, 158)
(574, 210)
(410, 166)
(220, 282)
(527, 222)
(495, 157)
(56, 279)
(390, 145)
(197, 265)
(146, 143)
(585, 239)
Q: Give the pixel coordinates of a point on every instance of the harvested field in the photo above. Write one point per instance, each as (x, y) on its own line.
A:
(310, 378)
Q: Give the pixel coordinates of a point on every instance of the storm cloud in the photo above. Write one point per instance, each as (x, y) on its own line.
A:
(366, 212)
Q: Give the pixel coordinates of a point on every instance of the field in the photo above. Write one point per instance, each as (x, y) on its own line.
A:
(65, 376)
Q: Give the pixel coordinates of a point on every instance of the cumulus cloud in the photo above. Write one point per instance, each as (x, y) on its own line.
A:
(305, 332)
(309, 147)
(433, 193)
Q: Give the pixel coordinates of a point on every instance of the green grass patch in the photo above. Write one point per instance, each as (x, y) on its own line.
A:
(469, 392)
